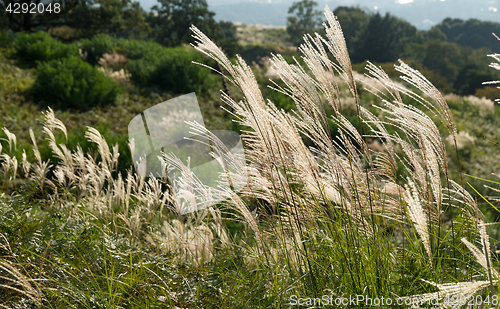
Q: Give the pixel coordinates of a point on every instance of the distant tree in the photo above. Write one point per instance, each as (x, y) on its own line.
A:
(473, 32)
(171, 20)
(353, 21)
(383, 39)
(228, 29)
(108, 17)
(305, 19)
(445, 58)
(226, 38)
(28, 19)
(463, 68)
(471, 78)
(434, 34)
(87, 17)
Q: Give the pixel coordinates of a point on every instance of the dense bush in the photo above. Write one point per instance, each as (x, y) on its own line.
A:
(255, 52)
(488, 92)
(100, 44)
(152, 65)
(6, 38)
(97, 46)
(172, 70)
(138, 49)
(40, 46)
(471, 77)
(72, 83)
(472, 32)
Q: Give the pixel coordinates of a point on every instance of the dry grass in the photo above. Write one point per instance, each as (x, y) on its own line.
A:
(249, 34)
(12, 279)
(120, 76)
(463, 139)
(482, 103)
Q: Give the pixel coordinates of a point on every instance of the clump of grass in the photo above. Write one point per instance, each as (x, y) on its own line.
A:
(311, 189)
(12, 280)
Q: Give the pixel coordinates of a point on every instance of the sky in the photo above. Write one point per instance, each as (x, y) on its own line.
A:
(421, 13)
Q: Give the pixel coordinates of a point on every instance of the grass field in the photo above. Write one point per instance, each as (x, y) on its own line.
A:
(354, 185)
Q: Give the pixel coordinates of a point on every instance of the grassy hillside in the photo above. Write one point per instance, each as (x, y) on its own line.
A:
(254, 34)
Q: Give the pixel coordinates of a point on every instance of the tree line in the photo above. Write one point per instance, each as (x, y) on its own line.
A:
(452, 53)
(167, 23)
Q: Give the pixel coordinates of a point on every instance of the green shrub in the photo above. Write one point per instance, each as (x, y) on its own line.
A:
(152, 65)
(73, 83)
(97, 46)
(6, 38)
(100, 44)
(172, 70)
(255, 52)
(489, 92)
(40, 46)
(139, 49)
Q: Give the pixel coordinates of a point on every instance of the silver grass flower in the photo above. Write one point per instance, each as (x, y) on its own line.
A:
(11, 138)
(418, 216)
(14, 280)
(461, 291)
(483, 257)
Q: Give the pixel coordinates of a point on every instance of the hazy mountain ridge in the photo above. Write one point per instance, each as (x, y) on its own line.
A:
(421, 13)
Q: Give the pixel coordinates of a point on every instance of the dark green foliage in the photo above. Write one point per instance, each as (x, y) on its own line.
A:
(374, 37)
(85, 17)
(281, 100)
(383, 39)
(228, 29)
(452, 61)
(108, 16)
(226, 38)
(32, 19)
(489, 92)
(445, 58)
(171, 70)
(4, 21)
(97, 46)
(72, 83)
(138, 49)
(152, 65)
(100, 44)
(471, 78)
(6, 38)
(473, 33)
(255, 52)
(353, 21)
(434, 34)
(40, 46)
(173, 18)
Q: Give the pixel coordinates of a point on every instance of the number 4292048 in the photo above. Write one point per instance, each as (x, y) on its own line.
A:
(32, 8)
